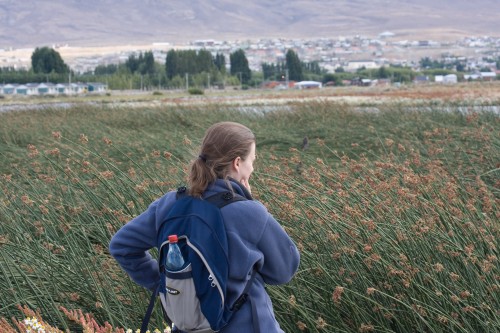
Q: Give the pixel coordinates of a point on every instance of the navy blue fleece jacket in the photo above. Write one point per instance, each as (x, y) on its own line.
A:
(255, 238)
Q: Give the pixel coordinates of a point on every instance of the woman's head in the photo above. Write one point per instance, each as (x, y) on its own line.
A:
(227, 150)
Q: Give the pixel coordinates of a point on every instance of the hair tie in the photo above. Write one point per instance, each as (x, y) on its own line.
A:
(202, 157)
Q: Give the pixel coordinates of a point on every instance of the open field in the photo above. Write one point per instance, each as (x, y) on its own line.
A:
(393, 203)
(486, 93)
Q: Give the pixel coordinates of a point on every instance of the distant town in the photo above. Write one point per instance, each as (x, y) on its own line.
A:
(350, 53)
(478, 57)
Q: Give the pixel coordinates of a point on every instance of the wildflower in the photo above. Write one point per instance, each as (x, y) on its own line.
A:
(84, 139)
(438, 267)
(33, 152)
(167, 154)
(26, 200)
(3, 239)
(388, 315)
(366, 328)
(56, 135)
(131, 172)
(370, 290)
(454, 276)
(43, 209)
(107, 141)
(107, 174)
(301, 325)
(337, 294)
(332, 237)
(320, 323)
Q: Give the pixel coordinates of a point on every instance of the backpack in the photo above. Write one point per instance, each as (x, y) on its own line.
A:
(194, 297)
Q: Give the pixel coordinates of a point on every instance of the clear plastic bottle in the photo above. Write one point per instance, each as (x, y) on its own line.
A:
(174, 261)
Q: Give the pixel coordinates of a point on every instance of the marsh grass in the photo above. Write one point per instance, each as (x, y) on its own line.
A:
(395, 212)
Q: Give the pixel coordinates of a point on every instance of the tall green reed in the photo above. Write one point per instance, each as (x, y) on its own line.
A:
(394, 212)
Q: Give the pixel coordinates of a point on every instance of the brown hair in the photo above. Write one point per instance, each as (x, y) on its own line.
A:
(222, 143)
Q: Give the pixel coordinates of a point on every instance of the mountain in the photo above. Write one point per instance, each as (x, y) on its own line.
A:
(31, 23)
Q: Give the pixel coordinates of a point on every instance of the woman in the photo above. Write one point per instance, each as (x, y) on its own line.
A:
(255, 238)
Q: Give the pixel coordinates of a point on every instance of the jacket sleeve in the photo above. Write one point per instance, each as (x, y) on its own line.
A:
(281, 257)
(130, 246)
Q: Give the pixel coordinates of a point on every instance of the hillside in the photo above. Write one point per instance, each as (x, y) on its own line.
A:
(82, 23)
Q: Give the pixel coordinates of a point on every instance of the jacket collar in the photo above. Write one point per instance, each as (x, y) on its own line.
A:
(224, 185)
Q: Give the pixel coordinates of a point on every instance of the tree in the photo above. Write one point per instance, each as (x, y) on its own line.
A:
(294, 66)
(147, 65)
(46, 60)
(382, 73)
(239, 66)
(332, 78)
(172, 64)
(143, 64)
(220, 62)
(268, 70)
(132, 63)
(204, 61)
(106, 69)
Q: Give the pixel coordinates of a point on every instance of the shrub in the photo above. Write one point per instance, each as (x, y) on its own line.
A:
(195, 91)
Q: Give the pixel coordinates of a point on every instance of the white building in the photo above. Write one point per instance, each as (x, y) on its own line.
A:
(30, 89)
(308, 85)
(355, 65)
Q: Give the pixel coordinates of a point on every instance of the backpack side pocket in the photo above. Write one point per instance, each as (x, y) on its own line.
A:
(181, 303)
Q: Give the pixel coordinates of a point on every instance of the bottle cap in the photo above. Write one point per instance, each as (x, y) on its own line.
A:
(172, 239)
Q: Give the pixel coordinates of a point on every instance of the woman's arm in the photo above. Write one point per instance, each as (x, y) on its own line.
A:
(130, 245)
(281, 257)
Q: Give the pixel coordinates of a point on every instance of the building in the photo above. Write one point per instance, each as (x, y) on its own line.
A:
(450, 78)
(308, 85)
(358, 64)
(34, 89)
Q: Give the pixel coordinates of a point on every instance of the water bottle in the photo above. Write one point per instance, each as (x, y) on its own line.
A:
(174, 261)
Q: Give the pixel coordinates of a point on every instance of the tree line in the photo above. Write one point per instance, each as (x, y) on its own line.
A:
(200, 68)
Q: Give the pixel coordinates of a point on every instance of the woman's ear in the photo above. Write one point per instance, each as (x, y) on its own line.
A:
(236, 162)
(235, 166)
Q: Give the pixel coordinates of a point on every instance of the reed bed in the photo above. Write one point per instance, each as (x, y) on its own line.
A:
(395, 212)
